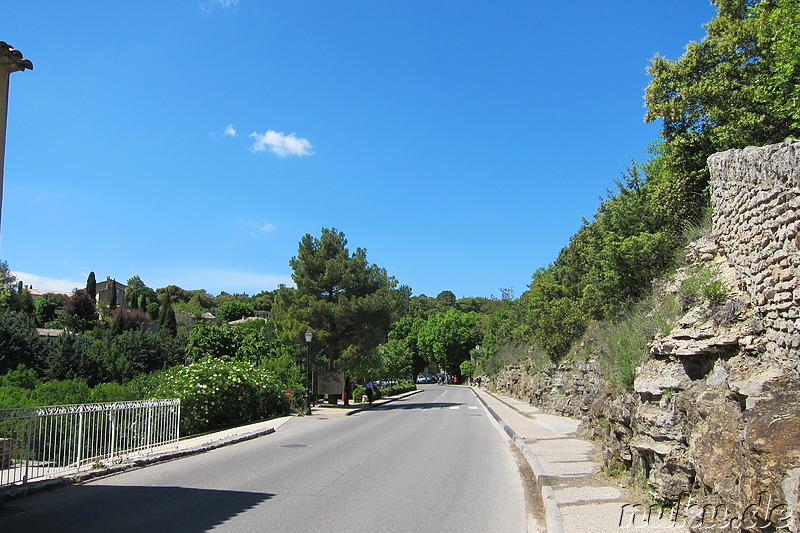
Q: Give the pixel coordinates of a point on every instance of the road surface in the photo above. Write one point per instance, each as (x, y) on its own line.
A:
(433, 461)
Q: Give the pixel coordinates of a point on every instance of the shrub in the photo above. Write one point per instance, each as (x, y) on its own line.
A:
(234, 310)
(218, 393)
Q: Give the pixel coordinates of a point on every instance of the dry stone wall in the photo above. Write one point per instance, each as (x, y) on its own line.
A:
(755, 195)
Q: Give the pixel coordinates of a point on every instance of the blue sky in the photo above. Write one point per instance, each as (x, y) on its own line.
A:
(194, 142)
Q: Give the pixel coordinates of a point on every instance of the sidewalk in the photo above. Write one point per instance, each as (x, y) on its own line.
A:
(576, 497)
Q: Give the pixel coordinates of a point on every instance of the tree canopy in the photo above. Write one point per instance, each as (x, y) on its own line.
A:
(347, 302)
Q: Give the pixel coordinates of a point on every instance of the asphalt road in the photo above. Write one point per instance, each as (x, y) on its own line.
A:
(431, 462)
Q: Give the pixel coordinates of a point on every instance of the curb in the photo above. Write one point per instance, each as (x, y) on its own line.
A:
(552, 513)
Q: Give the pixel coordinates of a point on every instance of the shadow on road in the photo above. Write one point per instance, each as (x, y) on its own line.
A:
(105, 508)
(400, 406)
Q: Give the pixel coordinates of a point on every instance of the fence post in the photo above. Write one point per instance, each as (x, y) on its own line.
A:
(28, 450)
(80, 440)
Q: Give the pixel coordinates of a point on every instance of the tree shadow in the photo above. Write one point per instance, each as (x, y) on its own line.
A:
(399, 406)
(127, 508)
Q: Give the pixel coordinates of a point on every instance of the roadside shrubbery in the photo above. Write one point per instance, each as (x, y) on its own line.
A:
(218, 393)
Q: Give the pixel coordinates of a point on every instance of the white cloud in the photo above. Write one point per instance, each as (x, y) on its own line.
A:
(281, 144)
(47, 284)
(230, 131)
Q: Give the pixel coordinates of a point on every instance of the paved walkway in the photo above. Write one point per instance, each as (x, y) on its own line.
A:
(580, 499)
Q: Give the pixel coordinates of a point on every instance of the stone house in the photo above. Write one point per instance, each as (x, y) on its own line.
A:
(104, 292)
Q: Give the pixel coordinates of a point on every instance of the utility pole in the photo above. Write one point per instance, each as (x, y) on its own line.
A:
(11, 60)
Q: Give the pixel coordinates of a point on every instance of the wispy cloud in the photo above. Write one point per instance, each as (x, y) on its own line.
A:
(281, 144)
(209, 5)
(230, 131)
(257, 228)
(47, 284)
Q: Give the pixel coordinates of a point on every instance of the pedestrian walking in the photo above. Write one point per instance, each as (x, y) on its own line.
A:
(370, 391)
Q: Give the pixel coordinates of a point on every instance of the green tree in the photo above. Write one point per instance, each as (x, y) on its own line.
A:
(19, 341)
(211, 340)
(447, 299)
(448, 338)
(467, 368)
(734, 88)
(68, 356)
(7, 280)
(406, 332)
(91, 285)
(234, 310)
(166, 319)
(44, 309)
(347, 302)
(112, 295)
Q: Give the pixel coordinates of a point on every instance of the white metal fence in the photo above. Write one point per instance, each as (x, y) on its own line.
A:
(43, 442)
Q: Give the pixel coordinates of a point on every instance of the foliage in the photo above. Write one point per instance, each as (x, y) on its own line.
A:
(131, 319)
(91, 285)
(68, 357)
(81, 305)
(737, 87)
(19, 342)
(218, 393)
(467, 369)
(211, 340)
(137, 293)
(167, 324)
(396, 359)
(7, 280)
(448, 337)
(44, 311)
(624, 343)
(348, 303)
(234, 310)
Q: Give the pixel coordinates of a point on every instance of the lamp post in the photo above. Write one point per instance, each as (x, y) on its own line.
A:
(10, 61)
(306, 399)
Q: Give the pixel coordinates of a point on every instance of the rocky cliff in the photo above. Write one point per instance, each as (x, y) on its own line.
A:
(714, 414)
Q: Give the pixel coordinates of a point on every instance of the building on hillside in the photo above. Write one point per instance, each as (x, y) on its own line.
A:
(103, 289)
(38, 293)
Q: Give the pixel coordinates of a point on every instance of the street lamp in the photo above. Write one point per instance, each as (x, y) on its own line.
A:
(306, 399)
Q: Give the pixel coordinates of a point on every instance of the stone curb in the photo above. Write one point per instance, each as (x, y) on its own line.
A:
(555, 523)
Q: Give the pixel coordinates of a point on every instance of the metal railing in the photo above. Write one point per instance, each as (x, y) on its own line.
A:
(45, 442)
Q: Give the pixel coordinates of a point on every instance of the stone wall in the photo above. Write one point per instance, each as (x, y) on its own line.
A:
(755, 195)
